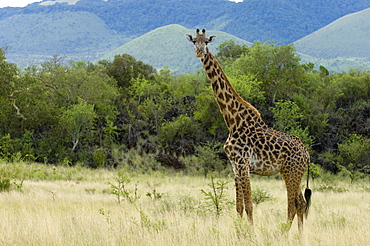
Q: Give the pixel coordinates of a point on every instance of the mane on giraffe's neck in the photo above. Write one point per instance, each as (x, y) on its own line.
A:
(223, 90)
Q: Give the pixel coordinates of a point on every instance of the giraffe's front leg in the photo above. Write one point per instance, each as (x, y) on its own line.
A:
(247, 191)
(242, 180)
(239, 196)
(243, 191)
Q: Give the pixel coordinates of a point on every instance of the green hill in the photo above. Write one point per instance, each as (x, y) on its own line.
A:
(340, 45)
(167, 46)
(347, 37)
(32, 38)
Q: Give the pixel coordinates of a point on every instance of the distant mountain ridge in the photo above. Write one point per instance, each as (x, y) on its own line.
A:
(282, 21)
(167, 46)
(343, 44)
(92, 29)
(341, 38)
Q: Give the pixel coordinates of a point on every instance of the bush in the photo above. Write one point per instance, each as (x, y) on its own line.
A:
(99, 157)
(207, 158)
(4, 184)
(354, 156)
(260, 195)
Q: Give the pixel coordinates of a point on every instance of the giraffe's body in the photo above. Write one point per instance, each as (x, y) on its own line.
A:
(253, 147)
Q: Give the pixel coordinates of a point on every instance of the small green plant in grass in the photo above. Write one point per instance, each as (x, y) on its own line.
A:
(154, 194)
(120, 190)
(156, 225)
(243, 228)
(106, 214)
(13, 175)
(188, 204)
(260, 195)
(284, 227)
(18, 185)
(216, 196)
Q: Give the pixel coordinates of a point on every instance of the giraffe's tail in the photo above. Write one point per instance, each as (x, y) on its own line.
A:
(307, 192)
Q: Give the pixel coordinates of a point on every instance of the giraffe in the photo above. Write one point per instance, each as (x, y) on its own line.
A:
(253, 147)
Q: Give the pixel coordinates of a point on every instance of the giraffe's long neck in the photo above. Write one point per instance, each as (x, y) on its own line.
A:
(233, 108)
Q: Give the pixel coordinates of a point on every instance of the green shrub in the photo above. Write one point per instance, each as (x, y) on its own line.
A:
(4, 184)
(99, 157)
(260, 195)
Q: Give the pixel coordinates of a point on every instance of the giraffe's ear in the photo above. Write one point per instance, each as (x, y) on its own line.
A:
(211, 39)
(189, 37)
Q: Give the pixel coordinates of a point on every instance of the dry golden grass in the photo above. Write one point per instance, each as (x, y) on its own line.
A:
(84, 213)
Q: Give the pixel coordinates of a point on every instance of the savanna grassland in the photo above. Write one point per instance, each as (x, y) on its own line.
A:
(47, 205)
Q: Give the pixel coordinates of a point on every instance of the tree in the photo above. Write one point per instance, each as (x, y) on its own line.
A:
(229, 51)
(354, 156)
(78, 121)
(277, 67)
(207, 113)
(287, 115)
(51, 96)
(125, 67)
(8, 72)
(249, 88)
(8, 91)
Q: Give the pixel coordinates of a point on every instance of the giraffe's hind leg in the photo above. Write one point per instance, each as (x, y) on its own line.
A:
(239, 196)
(247, 192)
(295, 196)
(301, 209)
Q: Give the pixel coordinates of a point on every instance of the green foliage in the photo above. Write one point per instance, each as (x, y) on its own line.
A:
(119, 189)
(78, 122)
(248, 88)
(354, 156)
(229, 51)
(125, 67)
(9, 148)
(205, 112)
(4, 184)
(99, 157)
(149, 224)
(277, 68)
(260, 195)
(12, 175)
(179, 128)
(154, 194)
(123, 112)
(315, 171)
(216, 198)
(207, 158)
(287, 115)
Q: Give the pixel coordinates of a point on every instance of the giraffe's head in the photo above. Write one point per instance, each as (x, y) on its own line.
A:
(200, 42)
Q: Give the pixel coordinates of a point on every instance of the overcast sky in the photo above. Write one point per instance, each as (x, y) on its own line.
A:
(22, 3)
(16, 3)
